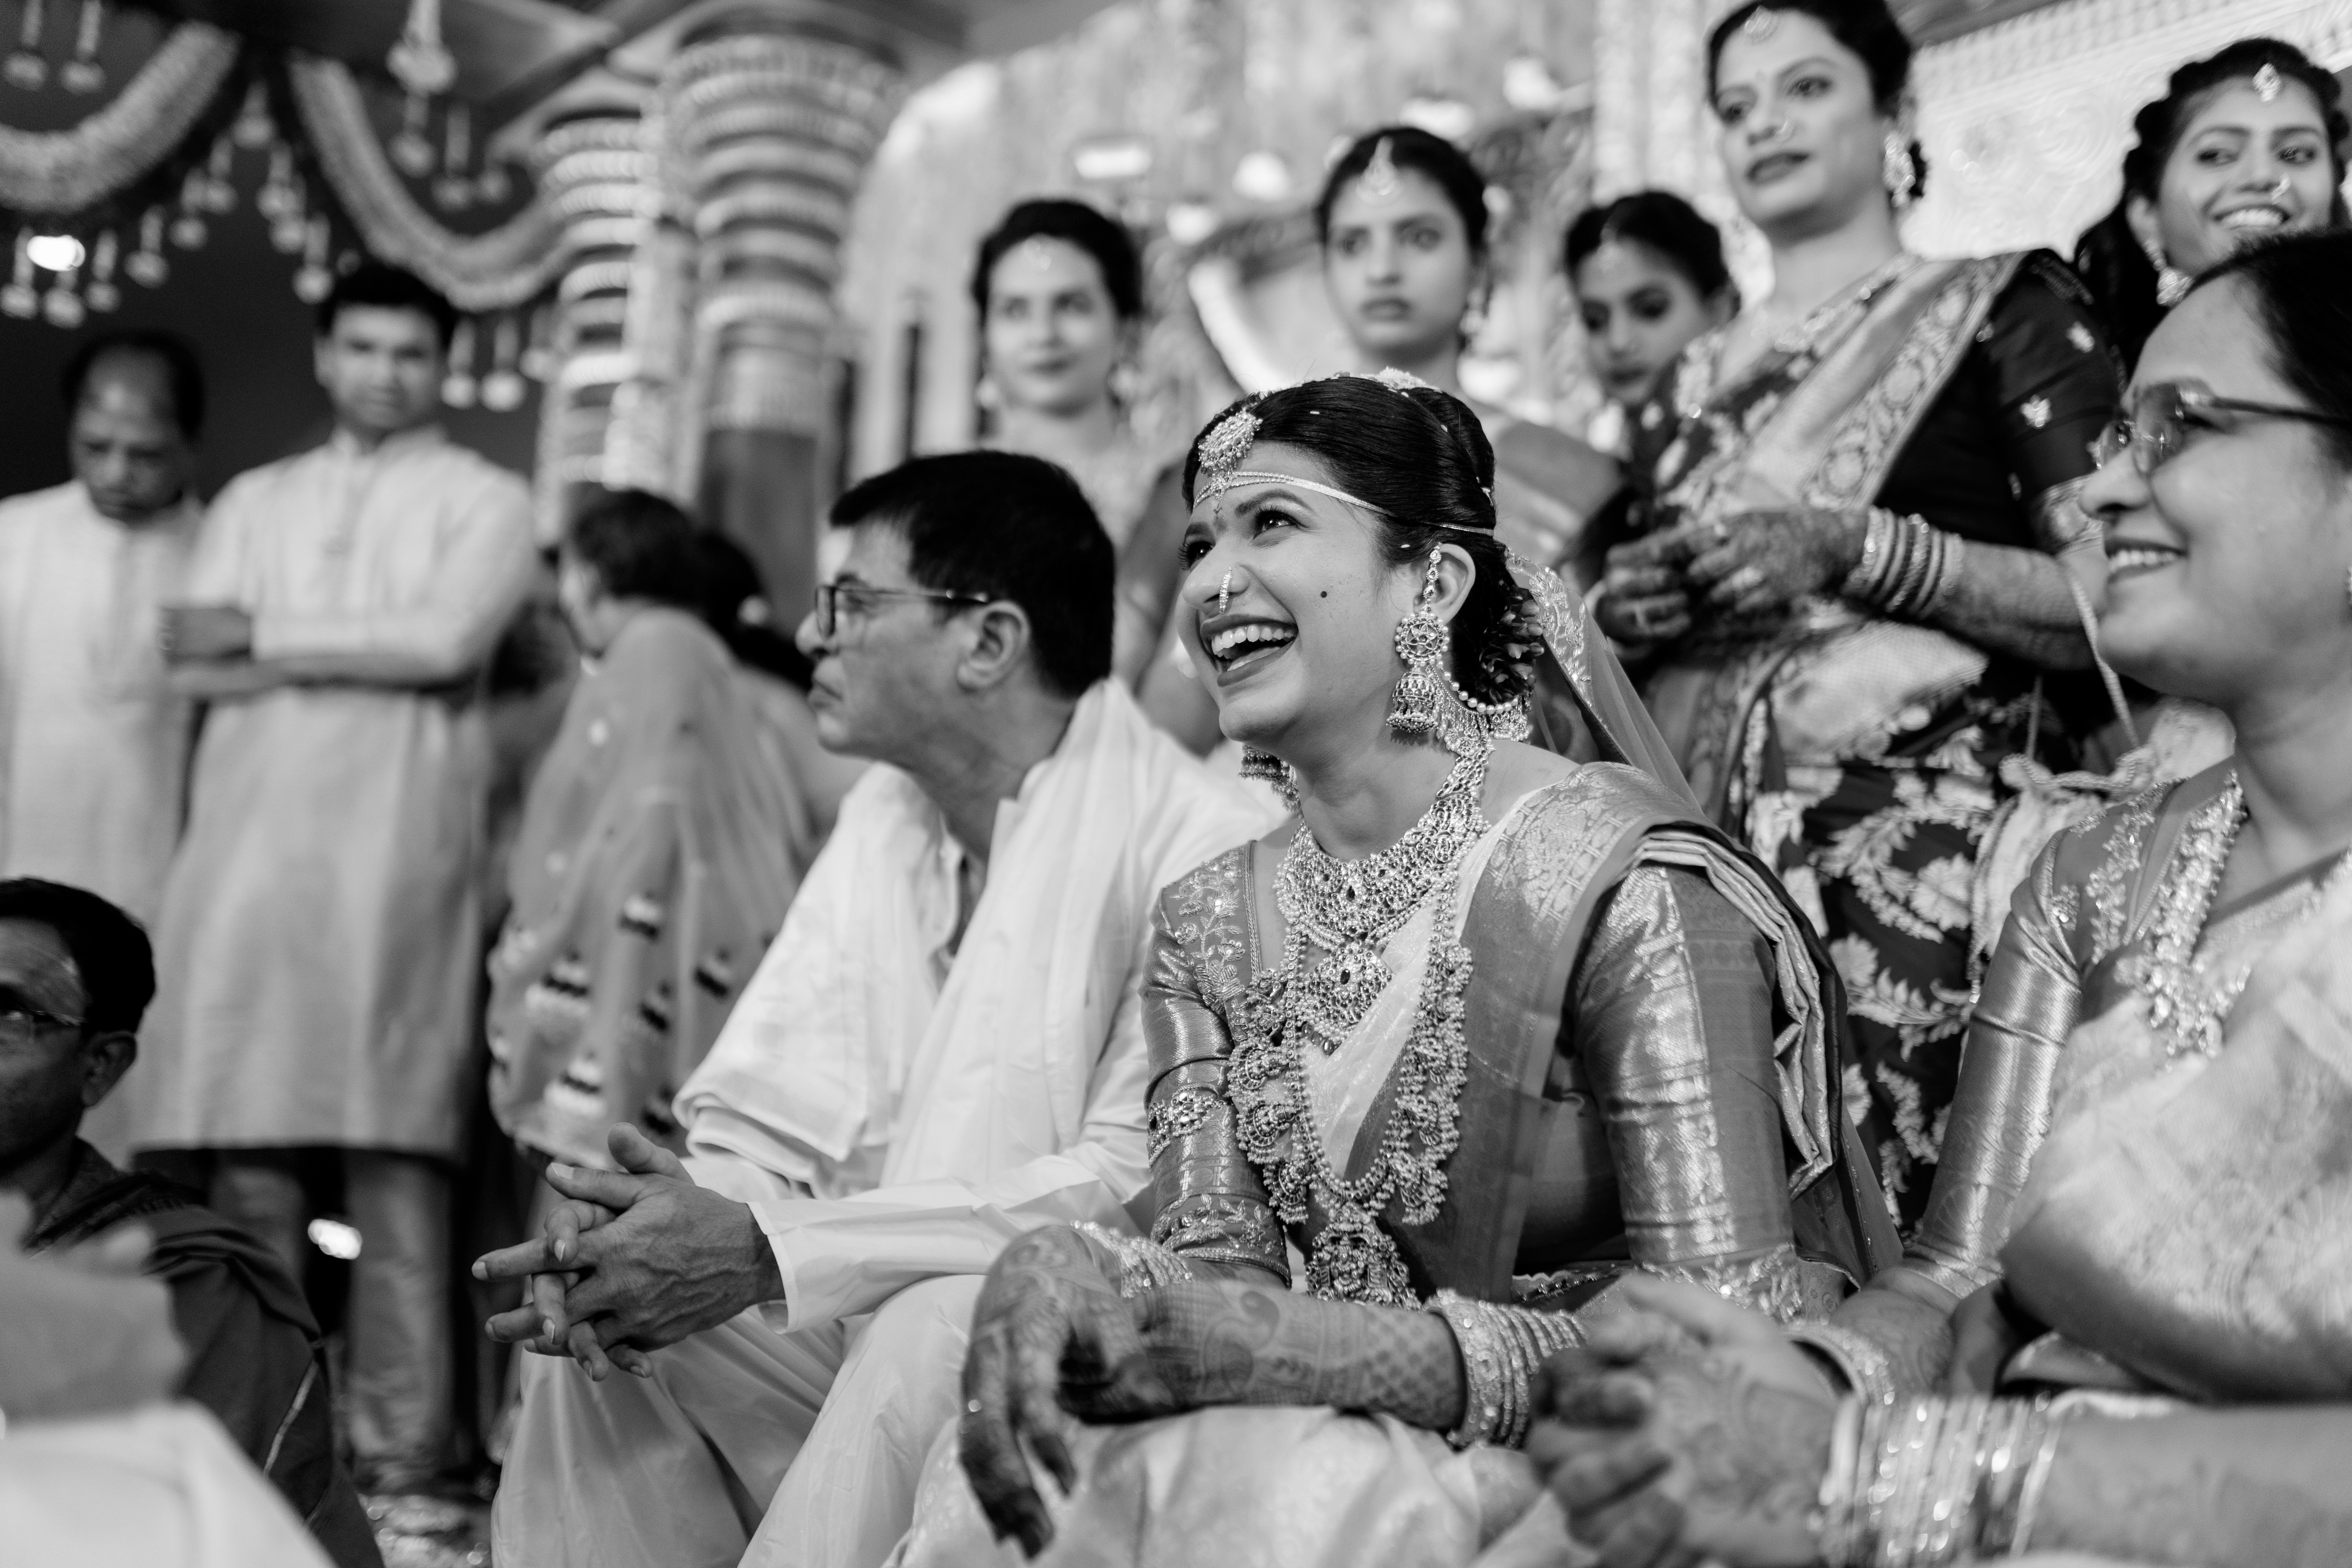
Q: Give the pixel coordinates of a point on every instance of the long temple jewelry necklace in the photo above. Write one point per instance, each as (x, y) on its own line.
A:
(1348, 910)
(2184, 1008)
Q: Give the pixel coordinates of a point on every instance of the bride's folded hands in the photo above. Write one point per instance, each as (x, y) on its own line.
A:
(1054, 1343)
(1686, 1430)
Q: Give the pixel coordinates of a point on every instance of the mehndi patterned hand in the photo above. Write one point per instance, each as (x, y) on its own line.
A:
(1050, 1336)
(1760, 562)
(1689, 1430)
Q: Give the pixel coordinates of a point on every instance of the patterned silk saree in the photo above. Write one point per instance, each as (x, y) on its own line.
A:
(1856, 756)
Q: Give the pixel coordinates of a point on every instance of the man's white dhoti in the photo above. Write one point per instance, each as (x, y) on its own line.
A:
(831, 1422)
(894, 1113)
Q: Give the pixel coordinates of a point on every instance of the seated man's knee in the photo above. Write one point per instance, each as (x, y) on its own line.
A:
(932, 1314)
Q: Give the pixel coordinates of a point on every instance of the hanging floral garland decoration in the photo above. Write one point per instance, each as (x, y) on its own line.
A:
(62, 172)
(96, 203)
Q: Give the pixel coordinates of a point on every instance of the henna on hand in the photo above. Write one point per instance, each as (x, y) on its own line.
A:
(1763, 562)
(1228, 1342)
(1049, 1327)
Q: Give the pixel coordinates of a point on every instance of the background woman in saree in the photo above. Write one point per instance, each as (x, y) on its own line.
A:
(661, 844)
(2170, 1002)
(1842, 698)
(1403, 220)
(1662, 1101)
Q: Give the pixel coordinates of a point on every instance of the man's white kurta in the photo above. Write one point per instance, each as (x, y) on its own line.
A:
(317, 955)
(93, 745)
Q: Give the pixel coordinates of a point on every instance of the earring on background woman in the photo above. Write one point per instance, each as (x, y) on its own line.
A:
(2171, 283)
(1898, 171)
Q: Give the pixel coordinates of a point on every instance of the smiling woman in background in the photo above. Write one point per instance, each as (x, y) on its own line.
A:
(1847, 592)
(2245, 143)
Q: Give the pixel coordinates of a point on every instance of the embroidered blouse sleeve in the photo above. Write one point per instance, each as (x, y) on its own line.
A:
(1671, 1009)
(2032, 995)
(2055, 384)
(1210, 1206)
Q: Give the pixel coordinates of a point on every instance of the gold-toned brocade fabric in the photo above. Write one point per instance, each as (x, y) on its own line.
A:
(1663, 1141)
(2186, 1218)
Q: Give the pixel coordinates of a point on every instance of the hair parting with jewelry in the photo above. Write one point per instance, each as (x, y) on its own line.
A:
(1416, 456)
(2127, 282)
(1377, 156)
(1869, 29)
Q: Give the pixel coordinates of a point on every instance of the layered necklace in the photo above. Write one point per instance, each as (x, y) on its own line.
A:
(2186, 1008)
(1346, 911)
(1350, 909)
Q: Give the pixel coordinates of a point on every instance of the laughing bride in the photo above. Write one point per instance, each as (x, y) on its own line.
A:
(1477, 1031)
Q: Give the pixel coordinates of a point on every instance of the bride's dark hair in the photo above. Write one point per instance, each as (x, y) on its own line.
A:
(1418, 456)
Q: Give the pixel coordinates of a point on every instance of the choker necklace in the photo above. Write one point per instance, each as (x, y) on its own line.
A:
(1350, 909)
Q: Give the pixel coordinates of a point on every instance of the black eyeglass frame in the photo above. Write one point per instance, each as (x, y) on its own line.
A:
(2153, 446)
(828, 608)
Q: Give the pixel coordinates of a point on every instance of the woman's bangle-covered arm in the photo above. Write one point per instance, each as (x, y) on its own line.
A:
(1672, 1015)
(1999, 1112)
(1209, 1206)
(2004, 598)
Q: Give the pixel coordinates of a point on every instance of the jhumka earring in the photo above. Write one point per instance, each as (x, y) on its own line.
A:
(1897, 172)
(1422, 642)
(2171, 283)
(1268, 767)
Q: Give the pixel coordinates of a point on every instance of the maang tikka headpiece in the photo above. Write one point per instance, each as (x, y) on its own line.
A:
(1379, 181)
(1761, 24)
(2268, 82)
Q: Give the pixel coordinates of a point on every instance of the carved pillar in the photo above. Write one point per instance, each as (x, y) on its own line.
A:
(595, 174)
(771, 111)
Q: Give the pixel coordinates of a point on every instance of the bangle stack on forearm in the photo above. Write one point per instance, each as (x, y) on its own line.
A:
(1908, 567)
(1501, 1349)
(1920, 1482)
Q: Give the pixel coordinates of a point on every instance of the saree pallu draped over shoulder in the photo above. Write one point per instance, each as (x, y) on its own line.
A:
(1856, 756)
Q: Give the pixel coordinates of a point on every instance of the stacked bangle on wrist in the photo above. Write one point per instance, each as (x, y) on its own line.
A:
(1907, 568)
(1143, 1265)
(1868, 1371)
(1922, 1482)
(1501, 1347)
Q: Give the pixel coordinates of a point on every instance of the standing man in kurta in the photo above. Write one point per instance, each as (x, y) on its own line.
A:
(319, 944)
(93, 739)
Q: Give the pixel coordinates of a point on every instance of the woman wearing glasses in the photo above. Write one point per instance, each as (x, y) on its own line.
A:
(2144, 1181)
(1847, 607)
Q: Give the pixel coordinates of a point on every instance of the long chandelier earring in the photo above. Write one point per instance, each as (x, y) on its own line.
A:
(1422, 642)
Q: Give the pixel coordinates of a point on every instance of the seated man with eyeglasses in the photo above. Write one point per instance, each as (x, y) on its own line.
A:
(75, 974)
(942, 1049)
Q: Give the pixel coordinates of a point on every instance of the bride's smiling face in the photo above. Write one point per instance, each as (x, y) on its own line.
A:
(1305, 646)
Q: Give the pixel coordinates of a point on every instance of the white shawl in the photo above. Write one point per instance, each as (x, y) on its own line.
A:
(846, 1064)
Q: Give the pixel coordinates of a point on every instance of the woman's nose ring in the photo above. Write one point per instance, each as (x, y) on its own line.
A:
(1224, 592)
